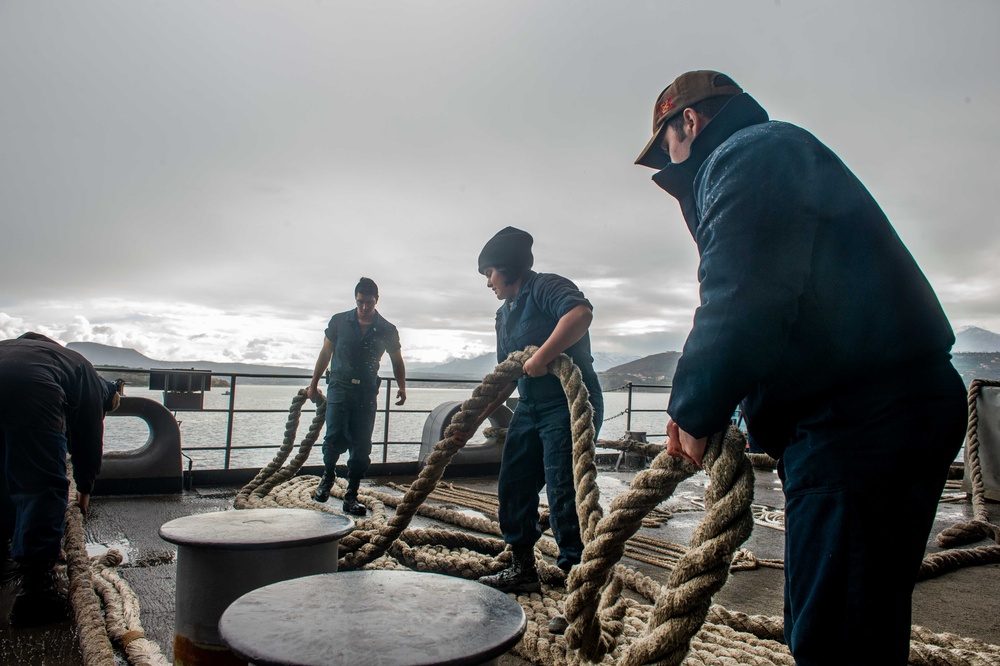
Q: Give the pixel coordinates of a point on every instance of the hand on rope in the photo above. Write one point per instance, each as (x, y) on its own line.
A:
(313, 393)
(682, 444)
(680, 610)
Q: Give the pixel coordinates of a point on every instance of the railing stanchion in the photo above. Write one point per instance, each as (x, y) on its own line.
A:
(628, 408)
(229, 425)
(385, 434)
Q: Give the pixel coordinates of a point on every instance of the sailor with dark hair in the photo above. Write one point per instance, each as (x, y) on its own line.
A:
(817, 320)
(548, 311)
(52, 401)
(353, 345)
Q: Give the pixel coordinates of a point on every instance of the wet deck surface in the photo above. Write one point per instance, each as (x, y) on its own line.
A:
(962, 602)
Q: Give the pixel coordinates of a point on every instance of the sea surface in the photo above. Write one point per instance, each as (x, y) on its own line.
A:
(201, 429)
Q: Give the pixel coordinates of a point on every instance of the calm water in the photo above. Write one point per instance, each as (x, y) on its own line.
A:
(208, 429)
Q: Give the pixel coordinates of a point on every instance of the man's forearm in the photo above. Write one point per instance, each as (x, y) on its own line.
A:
(399, 373)
(322, 363)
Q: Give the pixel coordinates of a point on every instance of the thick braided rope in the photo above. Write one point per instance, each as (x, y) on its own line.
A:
(121, 612)
(980, 526)
(927, 648)
(423, 550)
(273, 473)
(713, 644)
(625, 445)
(701, 572)
(937, 564)
(486, 397)
(446, 493)
(762, 461)
(86, 606)
(297, 493)
(581, 420)
(726, 524)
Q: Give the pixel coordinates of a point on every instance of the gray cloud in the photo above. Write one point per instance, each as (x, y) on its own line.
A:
(211, 179)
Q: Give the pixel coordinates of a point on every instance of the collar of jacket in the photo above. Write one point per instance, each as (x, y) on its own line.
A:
(678, 179)
(352, 316)
(529, 277)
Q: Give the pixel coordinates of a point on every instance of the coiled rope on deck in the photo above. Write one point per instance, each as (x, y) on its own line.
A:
(104, 606)
(723, 637)
(273, 473)
(121, 612)
(715, 642)
(698, 582)
(84, 602)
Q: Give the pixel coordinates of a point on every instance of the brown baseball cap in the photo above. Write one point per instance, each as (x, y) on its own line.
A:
(687, 89)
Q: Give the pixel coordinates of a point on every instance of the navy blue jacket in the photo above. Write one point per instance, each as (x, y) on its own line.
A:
(806, 290)
(356, 357)
(45, 386)
(529, 319)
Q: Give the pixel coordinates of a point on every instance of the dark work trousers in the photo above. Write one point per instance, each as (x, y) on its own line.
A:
(537, 452)
(862, 478)
(350, 419)
(34, 492)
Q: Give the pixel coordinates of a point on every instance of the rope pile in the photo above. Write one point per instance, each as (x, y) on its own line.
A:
(727, 524)
(663, 624)
(103, 605)
(669, 624)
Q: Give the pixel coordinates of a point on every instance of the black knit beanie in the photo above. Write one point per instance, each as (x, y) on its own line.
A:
(509, 250)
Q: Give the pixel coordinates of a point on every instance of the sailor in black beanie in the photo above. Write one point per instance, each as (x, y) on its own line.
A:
(549, 311)
(510, 250)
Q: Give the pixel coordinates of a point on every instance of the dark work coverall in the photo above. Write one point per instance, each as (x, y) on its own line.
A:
(816, 317)
(51, 399)
(538, 450)
(352, 391)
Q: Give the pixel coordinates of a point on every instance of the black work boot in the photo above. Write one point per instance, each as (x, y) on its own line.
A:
(351, 503)
(354, 507)
(322, 492)
(40, 601)
(521, 576)
(558, 625)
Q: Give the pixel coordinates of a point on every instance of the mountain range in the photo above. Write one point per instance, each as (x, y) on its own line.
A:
(479, 366)
(972, 339)
(125, 357)
(973, 349)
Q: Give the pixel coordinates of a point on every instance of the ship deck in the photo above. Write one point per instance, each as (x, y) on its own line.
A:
(962, 602)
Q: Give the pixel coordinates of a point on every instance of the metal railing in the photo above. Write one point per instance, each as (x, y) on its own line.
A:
(232, 410)
(630, 410)
(387, 409)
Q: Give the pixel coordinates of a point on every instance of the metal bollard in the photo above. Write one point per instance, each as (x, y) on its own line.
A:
(389, 618)
(632, 460)
(223, 555)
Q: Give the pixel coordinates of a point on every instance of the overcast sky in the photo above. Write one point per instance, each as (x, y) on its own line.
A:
(206, 180)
